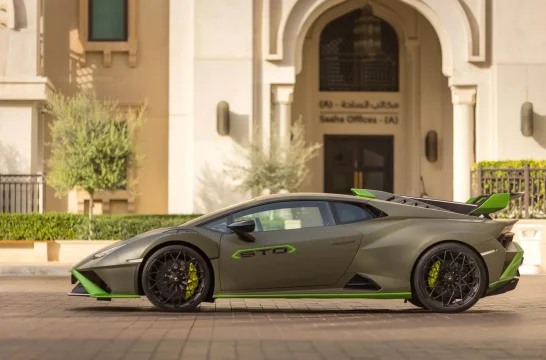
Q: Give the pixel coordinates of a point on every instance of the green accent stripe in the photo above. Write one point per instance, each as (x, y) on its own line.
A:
(497, 283)
(401, 295)
(291, 249)
(494, 203)
(469, 201)
(363, 193)
(94, 290)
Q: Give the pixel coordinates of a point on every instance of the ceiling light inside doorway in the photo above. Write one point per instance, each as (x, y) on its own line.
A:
(367, 33)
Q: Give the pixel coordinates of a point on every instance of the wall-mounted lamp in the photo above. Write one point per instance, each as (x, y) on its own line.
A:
(431, 146)
(527, 119)
(222, 118)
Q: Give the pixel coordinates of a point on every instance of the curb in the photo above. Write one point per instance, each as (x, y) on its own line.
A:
(34, 270)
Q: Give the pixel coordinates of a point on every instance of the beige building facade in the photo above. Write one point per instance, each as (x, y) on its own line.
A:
(373, 81)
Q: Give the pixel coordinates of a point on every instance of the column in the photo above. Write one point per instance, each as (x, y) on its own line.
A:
(181, 177)
(414, 142)
(464, 100)
(23, 89)
(282, 105)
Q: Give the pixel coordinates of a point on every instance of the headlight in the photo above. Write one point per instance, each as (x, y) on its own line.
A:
(106, 252)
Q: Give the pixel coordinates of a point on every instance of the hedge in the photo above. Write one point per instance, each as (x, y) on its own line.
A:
(511, 164)
(62, 226)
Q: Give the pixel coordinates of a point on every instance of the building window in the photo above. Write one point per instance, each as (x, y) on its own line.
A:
(108, 20)
(109, 26)
(359, 52)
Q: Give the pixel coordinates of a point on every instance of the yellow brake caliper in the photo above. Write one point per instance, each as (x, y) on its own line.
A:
(192, 281)
(433, 273)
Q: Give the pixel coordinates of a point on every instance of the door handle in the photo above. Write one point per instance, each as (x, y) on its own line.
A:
(341, 242)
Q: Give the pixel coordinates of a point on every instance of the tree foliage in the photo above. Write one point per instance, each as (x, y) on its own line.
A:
(93, 145)
(284, 167)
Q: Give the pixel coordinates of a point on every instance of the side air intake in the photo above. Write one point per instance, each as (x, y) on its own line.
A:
(361, 282)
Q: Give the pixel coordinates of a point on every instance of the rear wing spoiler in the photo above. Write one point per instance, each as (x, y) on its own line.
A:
(479, 205)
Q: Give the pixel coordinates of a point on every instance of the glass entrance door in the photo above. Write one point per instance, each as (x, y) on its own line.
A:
(360, 161)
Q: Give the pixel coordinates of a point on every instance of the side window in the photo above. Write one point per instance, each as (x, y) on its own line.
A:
(288, 215)
(348, 213)
(219, 225)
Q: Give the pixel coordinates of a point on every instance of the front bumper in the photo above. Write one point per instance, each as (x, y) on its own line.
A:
(97, 289)
(510, 276)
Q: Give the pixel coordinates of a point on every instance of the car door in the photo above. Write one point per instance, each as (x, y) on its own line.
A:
(297, 244)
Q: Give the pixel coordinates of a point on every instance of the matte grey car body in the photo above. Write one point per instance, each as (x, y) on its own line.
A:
(372, 258)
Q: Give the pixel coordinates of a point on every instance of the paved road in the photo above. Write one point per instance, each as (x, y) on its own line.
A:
(38, 321)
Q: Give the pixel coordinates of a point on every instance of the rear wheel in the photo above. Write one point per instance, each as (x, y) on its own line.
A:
(176, 278)
(449, 278)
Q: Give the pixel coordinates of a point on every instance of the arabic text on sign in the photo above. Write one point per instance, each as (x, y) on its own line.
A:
(352, 104)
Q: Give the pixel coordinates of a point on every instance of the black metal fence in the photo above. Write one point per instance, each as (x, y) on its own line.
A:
(531, 181)
(22, 193)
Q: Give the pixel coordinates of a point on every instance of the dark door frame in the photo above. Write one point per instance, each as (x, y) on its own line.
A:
(383, 138)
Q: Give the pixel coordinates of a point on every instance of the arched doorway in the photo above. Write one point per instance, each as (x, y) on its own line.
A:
(369, 91)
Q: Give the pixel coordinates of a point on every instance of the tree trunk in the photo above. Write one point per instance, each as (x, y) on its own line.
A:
(91, 204)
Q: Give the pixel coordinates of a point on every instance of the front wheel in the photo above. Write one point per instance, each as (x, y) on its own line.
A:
(176, 278)
(449, 278)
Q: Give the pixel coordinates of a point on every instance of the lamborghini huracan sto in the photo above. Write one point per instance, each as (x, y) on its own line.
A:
(438, 255)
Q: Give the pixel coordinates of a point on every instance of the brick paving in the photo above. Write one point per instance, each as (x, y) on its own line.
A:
(38, 321)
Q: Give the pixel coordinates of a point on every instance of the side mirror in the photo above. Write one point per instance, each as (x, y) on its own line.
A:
(243, 228)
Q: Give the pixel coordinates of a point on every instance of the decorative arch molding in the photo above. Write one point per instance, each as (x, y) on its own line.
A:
(447, 17)
(7, 14)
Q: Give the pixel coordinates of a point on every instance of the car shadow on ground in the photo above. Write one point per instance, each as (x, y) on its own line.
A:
(268, 311)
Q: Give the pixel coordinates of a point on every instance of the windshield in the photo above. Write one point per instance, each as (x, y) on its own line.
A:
(214, 213)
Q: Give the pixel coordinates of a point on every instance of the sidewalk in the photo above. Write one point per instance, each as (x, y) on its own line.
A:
(35, 269)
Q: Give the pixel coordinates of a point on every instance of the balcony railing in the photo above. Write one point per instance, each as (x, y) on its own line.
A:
(531, 181)
(22, 193)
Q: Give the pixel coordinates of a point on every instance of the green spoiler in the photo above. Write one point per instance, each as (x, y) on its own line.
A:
(479, 205)
(488, 204)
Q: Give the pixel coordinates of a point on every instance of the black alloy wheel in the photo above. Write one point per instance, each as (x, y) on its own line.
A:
(176, 278)
(449, 278)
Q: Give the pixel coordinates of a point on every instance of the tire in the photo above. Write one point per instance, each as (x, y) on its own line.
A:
(416, 302)
(449, 278)
(176, 278)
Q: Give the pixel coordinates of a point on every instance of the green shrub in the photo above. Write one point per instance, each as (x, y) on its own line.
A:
(510, 164)
(125, 226)
(62, 226)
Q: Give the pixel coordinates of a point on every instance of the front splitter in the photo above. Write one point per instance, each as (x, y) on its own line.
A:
(88, 288)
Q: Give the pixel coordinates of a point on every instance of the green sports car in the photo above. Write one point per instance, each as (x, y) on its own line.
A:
(438, 255)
